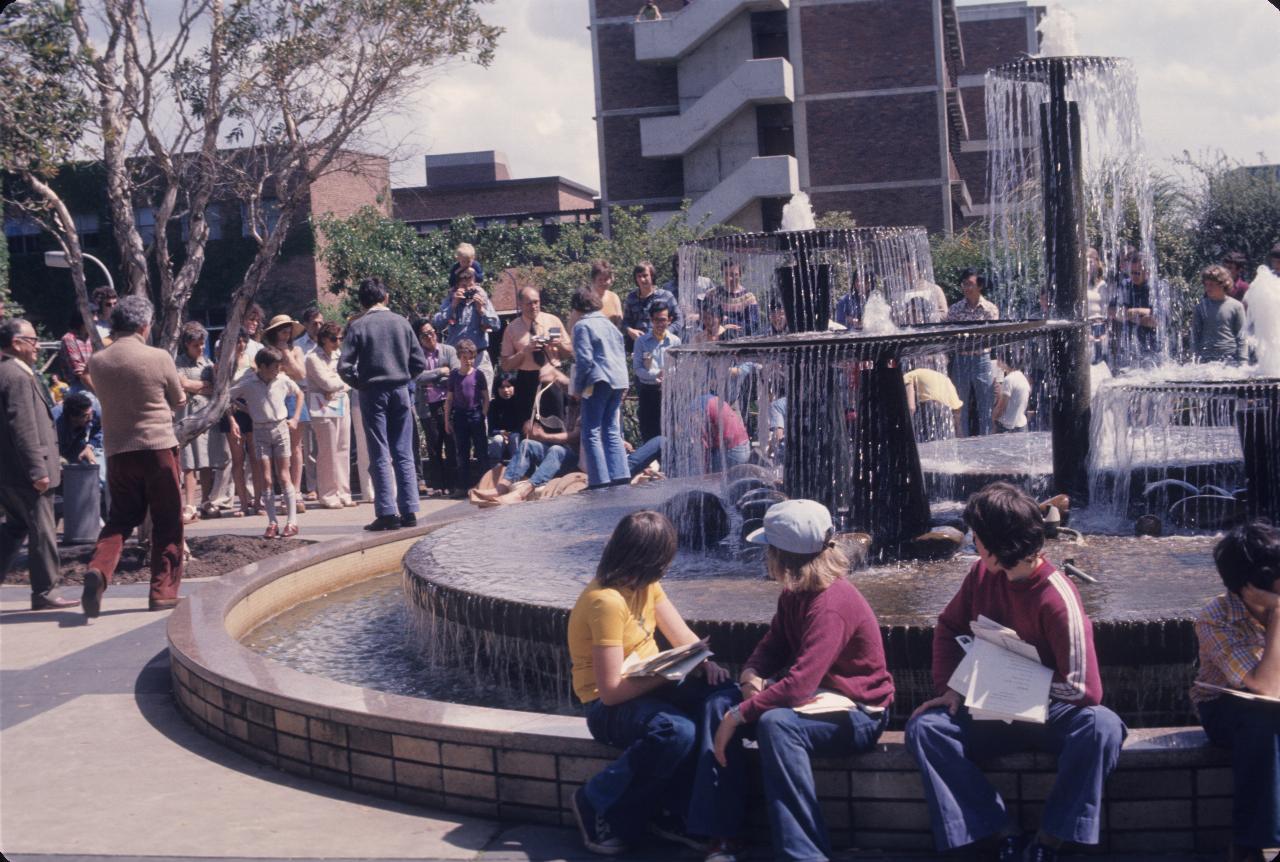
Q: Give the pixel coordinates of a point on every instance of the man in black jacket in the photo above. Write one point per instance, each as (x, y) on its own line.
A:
(29, 467)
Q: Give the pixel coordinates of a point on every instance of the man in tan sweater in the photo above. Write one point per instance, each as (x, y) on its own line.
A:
(140, 391)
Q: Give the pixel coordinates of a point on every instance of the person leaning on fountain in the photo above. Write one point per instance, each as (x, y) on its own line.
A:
(824, 637)
(617, 617)
(973, 371)
(1239, 635)
(1014, 585)
(1217, 321)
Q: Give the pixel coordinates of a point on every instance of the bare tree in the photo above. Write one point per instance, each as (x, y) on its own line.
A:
(246, 99)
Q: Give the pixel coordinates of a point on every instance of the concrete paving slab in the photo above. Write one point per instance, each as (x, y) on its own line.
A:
(316, 524)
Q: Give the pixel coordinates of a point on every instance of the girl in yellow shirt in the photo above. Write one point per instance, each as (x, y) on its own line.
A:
(617, 616)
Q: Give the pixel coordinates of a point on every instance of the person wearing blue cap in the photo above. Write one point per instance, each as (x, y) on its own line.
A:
(824, 638)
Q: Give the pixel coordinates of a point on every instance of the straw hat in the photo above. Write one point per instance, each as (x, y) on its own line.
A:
(285, 320)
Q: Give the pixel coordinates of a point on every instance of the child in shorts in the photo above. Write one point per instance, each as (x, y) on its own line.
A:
(263, 395)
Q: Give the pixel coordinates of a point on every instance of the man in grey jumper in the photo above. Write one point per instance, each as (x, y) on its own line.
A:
(379, 357)
(1217, 323)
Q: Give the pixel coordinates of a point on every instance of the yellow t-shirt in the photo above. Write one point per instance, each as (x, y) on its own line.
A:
(611, 616)
(934, 386)
(610, 307)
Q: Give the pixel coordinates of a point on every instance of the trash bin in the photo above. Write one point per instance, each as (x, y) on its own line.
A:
(81, 504)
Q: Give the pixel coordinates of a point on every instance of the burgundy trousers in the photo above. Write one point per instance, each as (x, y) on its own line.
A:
(147, 479)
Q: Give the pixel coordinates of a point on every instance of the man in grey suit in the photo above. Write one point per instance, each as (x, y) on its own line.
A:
(29, 466)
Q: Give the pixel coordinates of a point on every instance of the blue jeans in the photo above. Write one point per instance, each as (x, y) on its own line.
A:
(470, 435)
(644, 455)
(1252, 732)
(388, 433)
(603, 454)
(659, 735)
(545, 462)
(964, 807)
(975, 380)
(787, 741)
(503, 450)
(718, 459)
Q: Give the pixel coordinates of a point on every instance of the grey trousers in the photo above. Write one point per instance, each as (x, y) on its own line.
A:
(29, 515)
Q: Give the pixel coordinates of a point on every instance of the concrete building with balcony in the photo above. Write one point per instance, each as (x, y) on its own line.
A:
(870, 106)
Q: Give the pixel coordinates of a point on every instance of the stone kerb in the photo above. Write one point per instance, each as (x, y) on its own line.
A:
(1170, 793)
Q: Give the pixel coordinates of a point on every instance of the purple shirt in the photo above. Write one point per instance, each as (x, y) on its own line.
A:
(466, 389)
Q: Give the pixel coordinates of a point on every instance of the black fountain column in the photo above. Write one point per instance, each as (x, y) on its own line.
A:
(1067, 280)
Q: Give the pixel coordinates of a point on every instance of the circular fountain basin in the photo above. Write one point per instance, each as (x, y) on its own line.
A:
(500, 588)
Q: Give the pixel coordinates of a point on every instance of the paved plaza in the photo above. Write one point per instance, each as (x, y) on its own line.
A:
(96, 763)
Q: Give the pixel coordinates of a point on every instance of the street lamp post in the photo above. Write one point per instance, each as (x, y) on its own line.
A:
(58, 260)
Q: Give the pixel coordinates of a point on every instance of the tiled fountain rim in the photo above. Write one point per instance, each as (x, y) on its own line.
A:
(199, 639)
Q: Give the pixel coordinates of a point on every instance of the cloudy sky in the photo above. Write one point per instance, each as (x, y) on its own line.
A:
(1207, 73)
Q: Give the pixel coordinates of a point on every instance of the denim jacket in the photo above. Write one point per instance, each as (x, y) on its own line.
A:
(599, 355)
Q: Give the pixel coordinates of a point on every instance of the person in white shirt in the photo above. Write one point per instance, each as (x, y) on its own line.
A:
(1014, 393)
(263, 394)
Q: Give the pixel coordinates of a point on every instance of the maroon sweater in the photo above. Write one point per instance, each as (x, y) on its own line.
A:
(824, 640)
(1046, 612)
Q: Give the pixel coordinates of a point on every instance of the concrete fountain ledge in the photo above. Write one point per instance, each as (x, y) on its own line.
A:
(1170, 793)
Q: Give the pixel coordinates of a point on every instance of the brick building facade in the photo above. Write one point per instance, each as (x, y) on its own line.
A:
(870, 106)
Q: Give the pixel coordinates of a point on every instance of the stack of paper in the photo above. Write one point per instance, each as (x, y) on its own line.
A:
(1000, 676)
(1235, 692)
(673, 664)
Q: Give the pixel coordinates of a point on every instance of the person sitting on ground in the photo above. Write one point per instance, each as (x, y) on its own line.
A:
(616, 618)
(548, 448)
(1013, 394)
(637, 308)
(824, 637)
(1014, 585)
(1239, 634)
(1217, 322)
(934, 404)
(505, 419)
(465, 409)
(264, 395)
(465, 258)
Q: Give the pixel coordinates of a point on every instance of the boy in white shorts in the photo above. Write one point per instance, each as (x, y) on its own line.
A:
(263, 394)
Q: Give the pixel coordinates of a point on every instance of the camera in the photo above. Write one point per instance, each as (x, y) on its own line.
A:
(470, 294)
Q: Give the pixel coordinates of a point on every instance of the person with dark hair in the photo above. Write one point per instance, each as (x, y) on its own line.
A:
(311, 319)
(104, 301)
(711, 321)
(29, 466)
(1239, 635)
(505, 419)
(330, 409)
(600, 378)
(1132, 306)
(74, 350)
(647, 360)
(1237, 266)
(143, 467)
(465, 410)
(1013, 394)
(280, 334)
(196, 372)
(252, 323)
(1014, 585)
(739, 306)
(601, 284)
(824, 637)
(617, 618)
(972, 370)
(1217, 321)
(637, 308)
(468, 313)
(849, 308)
(429, 393)
(380, 356)
(274, 402)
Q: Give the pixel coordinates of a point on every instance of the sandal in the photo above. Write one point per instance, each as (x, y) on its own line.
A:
(272, 531)
(209, 511)
(290, 530)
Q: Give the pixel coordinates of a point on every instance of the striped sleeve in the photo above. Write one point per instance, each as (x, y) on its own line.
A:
(1072, 644)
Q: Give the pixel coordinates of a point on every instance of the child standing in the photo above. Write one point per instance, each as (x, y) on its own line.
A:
(1014, 585)
(263, 394)
(465, 409)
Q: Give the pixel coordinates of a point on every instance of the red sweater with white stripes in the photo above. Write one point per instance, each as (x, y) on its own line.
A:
(1046, 612)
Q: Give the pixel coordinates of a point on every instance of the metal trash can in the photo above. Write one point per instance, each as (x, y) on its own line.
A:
(81, 504)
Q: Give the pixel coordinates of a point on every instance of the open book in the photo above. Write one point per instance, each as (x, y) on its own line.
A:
(827, 700)
(673, 664)
(1000, 675)
(1236, 692)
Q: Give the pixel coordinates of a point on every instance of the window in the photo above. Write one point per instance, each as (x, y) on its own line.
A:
(212, 217)
(87, 227)
(268, 214)
(145, 219)
(22, 234)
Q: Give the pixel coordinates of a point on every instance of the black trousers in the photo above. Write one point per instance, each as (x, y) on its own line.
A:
(442, 462)
(29, 515)
(649, 410)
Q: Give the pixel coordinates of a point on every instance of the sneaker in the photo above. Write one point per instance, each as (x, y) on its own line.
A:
(726, 850)
(410, 520)
(1011, 848)
(670, 827)
(1037, 852)
(597, 835)
(383, 522)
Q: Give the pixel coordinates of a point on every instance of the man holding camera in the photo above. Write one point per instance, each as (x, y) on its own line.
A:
(467, 313)
(532, 341)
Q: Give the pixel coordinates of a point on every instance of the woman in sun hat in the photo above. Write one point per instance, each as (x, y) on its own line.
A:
(279, 333)
(824, 637)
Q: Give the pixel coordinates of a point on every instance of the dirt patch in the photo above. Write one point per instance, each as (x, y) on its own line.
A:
(211, 556)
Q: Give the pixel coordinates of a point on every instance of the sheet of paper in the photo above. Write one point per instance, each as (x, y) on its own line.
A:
(826, 701)
(992, 632)
(1010, 685)
(1235, 692)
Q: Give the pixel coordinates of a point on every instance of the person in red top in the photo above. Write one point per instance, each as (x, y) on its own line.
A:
(1014, 585)
(724, 436)
(824, 637)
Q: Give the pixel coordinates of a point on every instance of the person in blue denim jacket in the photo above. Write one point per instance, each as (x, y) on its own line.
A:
(600, 379)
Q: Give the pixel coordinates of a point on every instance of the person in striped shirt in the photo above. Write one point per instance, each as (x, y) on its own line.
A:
(1239, 634)
(1013, 584)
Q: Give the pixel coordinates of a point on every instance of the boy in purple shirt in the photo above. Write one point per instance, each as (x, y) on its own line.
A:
(465, 409)
(1015, 586)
